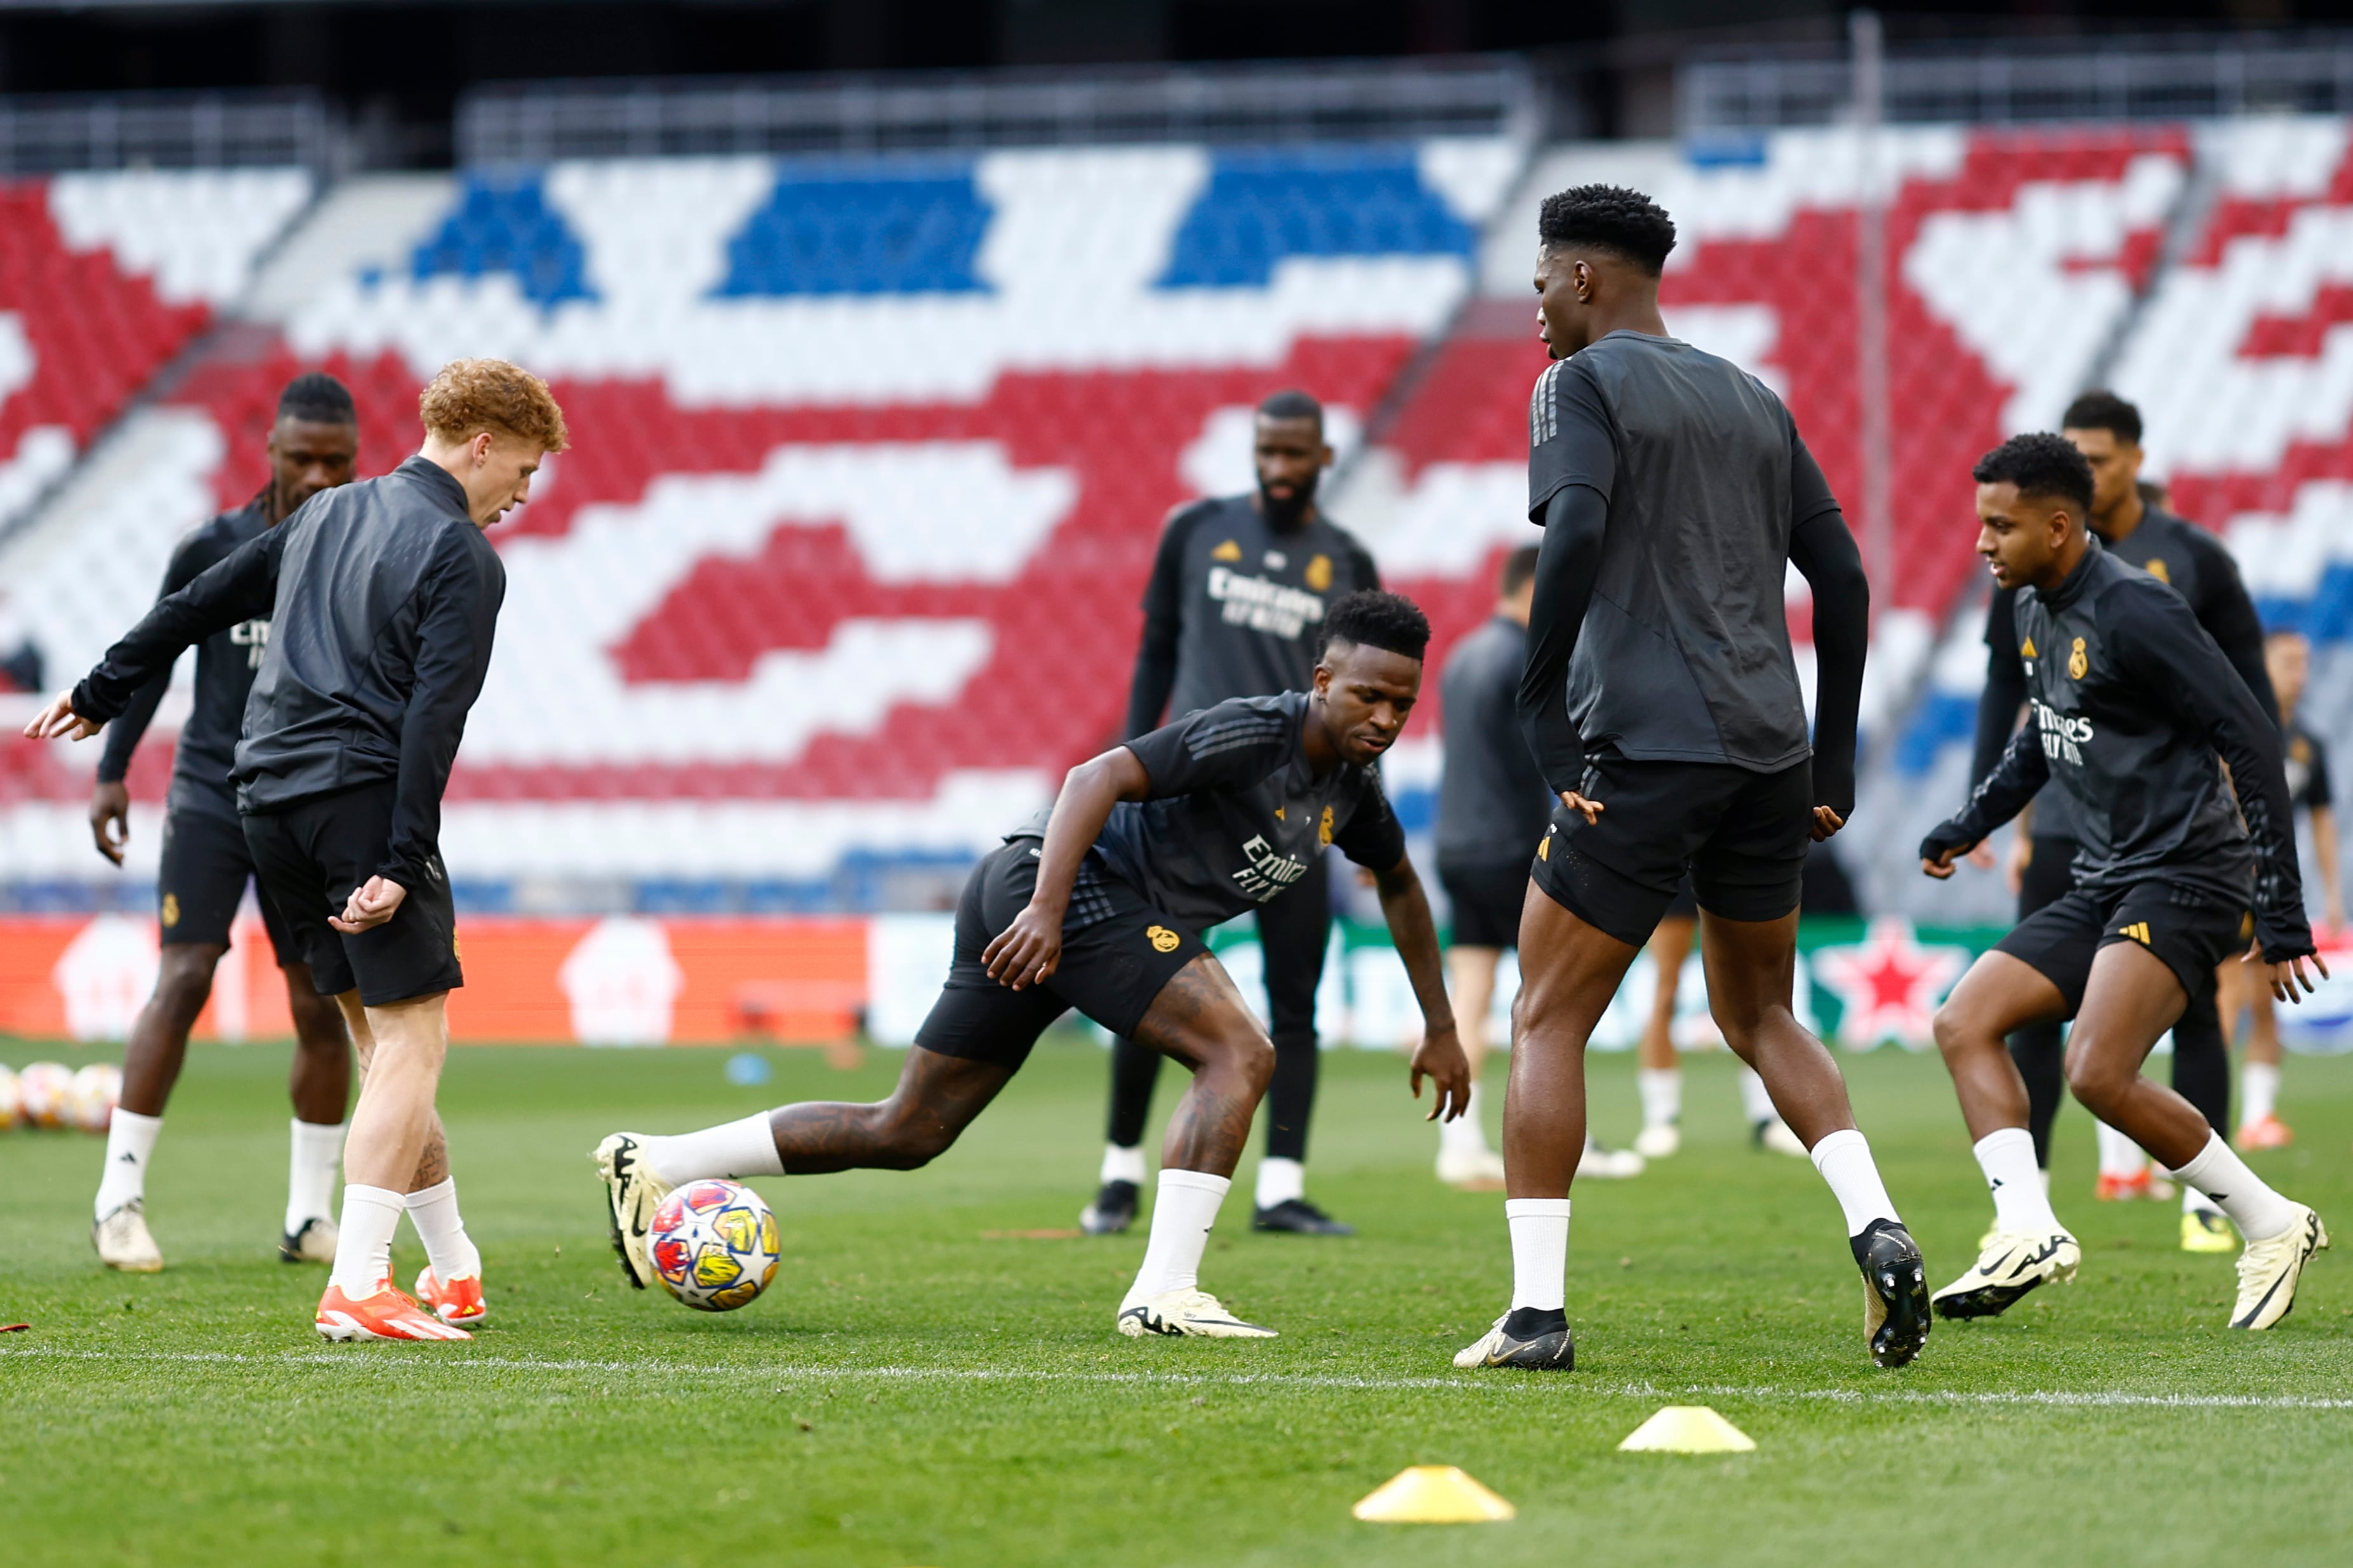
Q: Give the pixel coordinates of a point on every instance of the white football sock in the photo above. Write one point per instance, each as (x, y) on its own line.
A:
(1539, 1252)
(364, 1241)
(130, 1142)
(1279, 1181)
(311, 1173)
(2119, 1155)
(745, 1148)
(434, 1211)
(1755, 1098)
(2192, 1200)
(2020, 1202)
(2259, 1088)
(2219, 1173)
(1183, 1210)
(1465, 1134)
(1661, 1089)
(1122, 1164)
(1844, 1160)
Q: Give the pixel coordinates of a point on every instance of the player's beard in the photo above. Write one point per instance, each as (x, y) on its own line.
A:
(1285, 513)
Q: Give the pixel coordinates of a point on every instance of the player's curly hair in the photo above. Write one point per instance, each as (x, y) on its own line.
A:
(2104, 411)
(1372, 618)
(473, 394)
(1625, 223)
(317, 397)
(2040, 464)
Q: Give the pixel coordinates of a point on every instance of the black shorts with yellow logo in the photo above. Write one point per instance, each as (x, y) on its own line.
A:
(203, 876)
(1118, 952)
(2191, 929)
(312, 855)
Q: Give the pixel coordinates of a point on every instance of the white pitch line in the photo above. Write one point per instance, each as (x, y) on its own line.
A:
(357, 1360)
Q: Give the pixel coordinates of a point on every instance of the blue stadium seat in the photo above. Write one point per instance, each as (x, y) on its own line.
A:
(1263, 205)
(503, 224)
(897, 226)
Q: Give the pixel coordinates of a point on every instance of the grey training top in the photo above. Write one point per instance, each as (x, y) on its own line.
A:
(1234, 815)
(1492, 800)
(1235, 607)
(1684, 653)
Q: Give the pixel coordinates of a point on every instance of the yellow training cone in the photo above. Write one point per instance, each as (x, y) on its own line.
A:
(1687, 1429)
(1432, 1494)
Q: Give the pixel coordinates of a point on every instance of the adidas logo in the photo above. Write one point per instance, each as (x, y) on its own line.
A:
(2138, 931)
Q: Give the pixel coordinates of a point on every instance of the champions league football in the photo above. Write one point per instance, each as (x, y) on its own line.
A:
(1120, 783)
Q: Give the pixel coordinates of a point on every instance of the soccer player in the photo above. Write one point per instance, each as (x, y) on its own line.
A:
(1493, 805)
(1235, 608)
(1099, 904)
(1659, 1078)
(312, 444)
(2106, 429)
(2288, 656)
(1662, 703)
(382, 597)
(2135, 711)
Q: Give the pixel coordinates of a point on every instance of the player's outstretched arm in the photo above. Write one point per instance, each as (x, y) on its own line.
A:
(1439, 1056)
(2001, 796)
(1027, 951)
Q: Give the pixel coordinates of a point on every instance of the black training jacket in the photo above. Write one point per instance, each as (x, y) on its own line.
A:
(2178, 554)
(381, 598)
(2135, 710)
(227, 662)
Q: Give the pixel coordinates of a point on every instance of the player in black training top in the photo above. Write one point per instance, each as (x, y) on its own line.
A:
(1099, 904)
(312, 445)
(1662, 701)
(1235, 608)
(2135, 713)
(2287, 655)
(383, 598)
(2107, 430)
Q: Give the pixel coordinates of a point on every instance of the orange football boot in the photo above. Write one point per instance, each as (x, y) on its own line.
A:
(2141, 1183)
(459, 1302)
(2266, 1132)
(386, 1313)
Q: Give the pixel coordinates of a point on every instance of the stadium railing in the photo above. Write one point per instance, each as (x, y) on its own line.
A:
(48, 136)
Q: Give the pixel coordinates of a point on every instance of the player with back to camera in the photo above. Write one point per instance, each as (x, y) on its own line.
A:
(2136, 711)
(2288, 656)
(1098, 903)
(312, 445)
(2107, 430)
(1492, 806)
(1235, 608)
(383, 597)
(1662, 700)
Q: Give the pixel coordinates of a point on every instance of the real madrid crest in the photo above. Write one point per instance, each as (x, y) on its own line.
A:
(2078, 662)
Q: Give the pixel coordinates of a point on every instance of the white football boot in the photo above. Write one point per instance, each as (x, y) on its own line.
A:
(632, 1193)
(2268, 1270)
(1604, 1164)
(1190, 1313)
(1477, 1170)
(122, 1240)
(315, 1243)
(1773, 1133)
(1658, 1143)
(2012, 1264)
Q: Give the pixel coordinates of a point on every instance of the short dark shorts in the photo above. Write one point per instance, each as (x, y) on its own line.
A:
(1740, 837)
(1112, 967)
(206, 868)
(2188, 927)
(1486, 901)
(309, 858)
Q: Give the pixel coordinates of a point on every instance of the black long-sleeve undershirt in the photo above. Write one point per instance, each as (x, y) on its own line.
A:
(1570, 559)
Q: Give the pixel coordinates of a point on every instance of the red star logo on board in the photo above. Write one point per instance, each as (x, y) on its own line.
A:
(1888, 985)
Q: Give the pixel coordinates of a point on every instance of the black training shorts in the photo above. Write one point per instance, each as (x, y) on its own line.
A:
(202, 881)
(1486, 900)
(1112, 967)
(1742, 838)
(311, 856)
(2188, 927)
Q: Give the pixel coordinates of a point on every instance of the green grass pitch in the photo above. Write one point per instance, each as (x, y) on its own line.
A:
(914, 1390)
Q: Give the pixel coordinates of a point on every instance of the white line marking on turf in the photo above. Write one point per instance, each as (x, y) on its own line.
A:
(2052, 1398)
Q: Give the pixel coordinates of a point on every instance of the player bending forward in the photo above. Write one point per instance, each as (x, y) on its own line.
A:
(1097, 904)
(381, 598)
(1661, 701)
(2135, 711)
